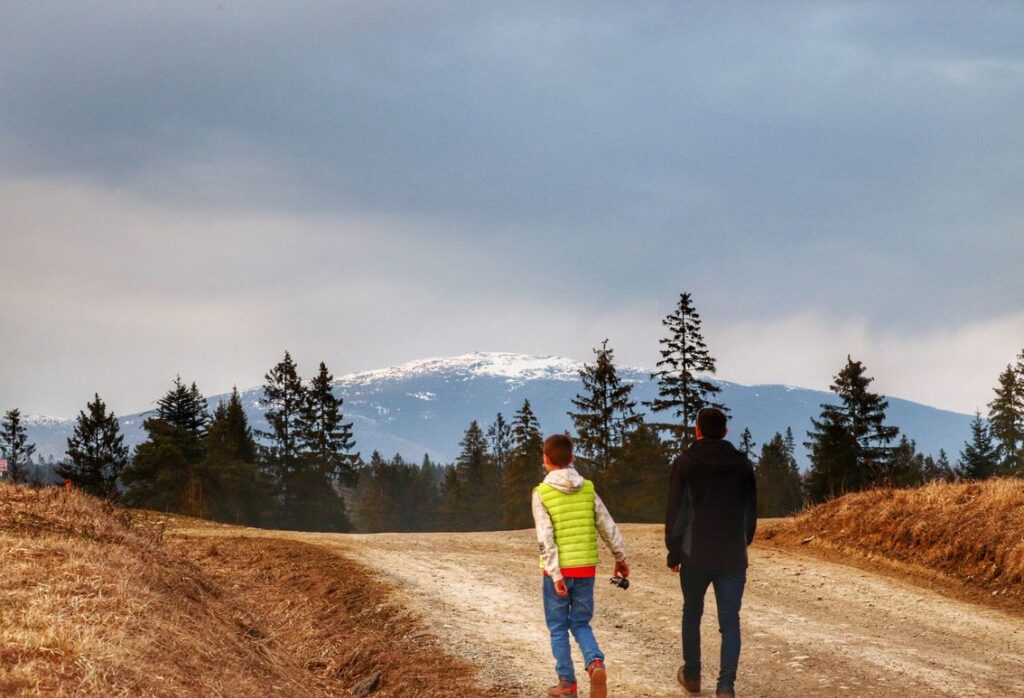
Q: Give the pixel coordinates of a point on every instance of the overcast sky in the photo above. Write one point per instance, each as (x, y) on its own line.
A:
(194, 187)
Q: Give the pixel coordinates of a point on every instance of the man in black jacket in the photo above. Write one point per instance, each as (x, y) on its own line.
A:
(709, 522)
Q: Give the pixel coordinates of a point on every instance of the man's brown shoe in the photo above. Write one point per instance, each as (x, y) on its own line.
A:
(724, 693)
(689, 684)
(598, 679)
(563, 688)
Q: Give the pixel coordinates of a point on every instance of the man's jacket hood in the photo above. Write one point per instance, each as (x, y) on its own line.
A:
(565, 480)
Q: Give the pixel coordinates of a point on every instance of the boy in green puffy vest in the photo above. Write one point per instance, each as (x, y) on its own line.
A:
(568, 515)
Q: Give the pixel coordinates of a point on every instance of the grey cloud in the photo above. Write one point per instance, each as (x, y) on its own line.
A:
(862, 161)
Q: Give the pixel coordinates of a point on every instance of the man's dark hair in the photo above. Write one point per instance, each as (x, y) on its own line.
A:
(558, 449)
(711, 422)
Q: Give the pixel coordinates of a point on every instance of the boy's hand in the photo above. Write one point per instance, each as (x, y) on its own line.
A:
(560, 588)
(621, 569)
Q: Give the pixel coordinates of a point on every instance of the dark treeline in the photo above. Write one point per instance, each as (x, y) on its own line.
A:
(304, 472)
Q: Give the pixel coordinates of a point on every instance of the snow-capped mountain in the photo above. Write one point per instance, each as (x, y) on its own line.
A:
(424, 406)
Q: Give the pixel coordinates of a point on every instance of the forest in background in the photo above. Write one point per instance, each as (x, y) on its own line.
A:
(305, 472)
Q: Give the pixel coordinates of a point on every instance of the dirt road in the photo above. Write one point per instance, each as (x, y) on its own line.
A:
(810, 627)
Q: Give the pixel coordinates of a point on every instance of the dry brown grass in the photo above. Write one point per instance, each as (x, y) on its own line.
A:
(94, 601)
(969, 534)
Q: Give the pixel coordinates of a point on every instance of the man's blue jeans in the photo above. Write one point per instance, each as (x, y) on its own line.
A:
(571, 613)
(728, 597)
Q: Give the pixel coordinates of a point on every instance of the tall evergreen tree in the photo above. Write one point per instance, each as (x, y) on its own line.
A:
(747, 445)
(779, 487)
(284, 397)
(15, 447)
(634, 488)
(499, 435)
(861, 459)
(427, 503)
(167, 471)
(96, 451)
(474, 506)
(239, 490)
(944, 471)
(376, 506)
(320, 462)
(523, 470)
(605, 416)
(980, 457)
(1006, 419)
(907, 466)
(790, 444)
(324, 437)
(684, 359)
(453, 516)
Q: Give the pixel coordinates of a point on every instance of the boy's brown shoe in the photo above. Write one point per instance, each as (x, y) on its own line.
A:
(691, 684)
(598, 679)
(563, 688)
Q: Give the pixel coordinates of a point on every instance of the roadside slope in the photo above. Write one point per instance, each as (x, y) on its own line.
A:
(94, 601)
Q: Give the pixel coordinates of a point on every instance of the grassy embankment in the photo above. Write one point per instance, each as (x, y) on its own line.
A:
(965, 538)
(97, 601)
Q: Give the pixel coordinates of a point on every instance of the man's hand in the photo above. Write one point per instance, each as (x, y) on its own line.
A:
(560, 588)
(675, 570)
(621, 569)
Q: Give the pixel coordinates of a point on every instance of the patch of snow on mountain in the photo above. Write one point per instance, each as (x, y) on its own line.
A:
(515, 367)
(41, 420)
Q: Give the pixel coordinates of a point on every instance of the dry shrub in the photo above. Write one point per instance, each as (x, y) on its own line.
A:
(95, 602)
(972, 532)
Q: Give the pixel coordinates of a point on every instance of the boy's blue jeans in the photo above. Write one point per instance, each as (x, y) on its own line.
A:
(728, 597)
(572, 613)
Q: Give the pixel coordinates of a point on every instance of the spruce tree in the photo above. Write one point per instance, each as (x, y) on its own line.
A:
(945, 471)
(634, 487)
(747, 445)
(376, 506)
(167, 471)
(284, 397)
(499, 435)
(684, 359)
(834, 467)
(96, 451)
(779, 487)
(1006, 419)
(240, 491)
(605, 416)
(790, 443)
(15, 447)
(861, 459)
(523, 470)
(324, 437)
(980, 457)
(907, 466)
(453, 516)
(427, 502)
(474, 510)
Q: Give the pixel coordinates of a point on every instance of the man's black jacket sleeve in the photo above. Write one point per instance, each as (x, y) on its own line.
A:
(675, 511)
(751, 512)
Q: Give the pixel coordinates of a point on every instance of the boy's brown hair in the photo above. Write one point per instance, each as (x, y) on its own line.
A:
(558, 449)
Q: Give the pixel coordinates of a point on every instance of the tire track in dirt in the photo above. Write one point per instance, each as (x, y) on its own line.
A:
(810, 627)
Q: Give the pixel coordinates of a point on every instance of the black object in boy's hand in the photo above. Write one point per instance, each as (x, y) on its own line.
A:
(620, 582)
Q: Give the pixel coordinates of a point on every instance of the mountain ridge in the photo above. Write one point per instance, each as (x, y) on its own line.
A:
(423, 406)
